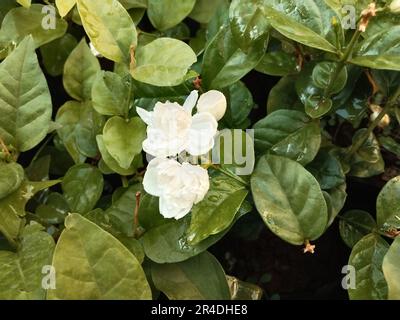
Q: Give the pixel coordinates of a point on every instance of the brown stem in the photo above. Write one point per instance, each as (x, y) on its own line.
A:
(4, 147)
(136, 215)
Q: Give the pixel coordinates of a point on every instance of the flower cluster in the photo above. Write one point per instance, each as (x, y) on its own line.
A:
(171, 130)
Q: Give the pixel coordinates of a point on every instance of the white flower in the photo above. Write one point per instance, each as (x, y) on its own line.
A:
(179, 186)
(172, 128)
(395, 6)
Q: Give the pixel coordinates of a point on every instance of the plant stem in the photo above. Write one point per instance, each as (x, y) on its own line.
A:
(363, 226)
(390, 103)
(136, 215)
(342, 63)
(37, 154)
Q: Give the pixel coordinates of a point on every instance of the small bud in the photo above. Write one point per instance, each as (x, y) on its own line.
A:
(213, 102)
(366, 15)
(376, 110)
(395, 6)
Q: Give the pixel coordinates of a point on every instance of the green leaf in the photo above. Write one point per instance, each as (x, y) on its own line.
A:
(65, 6)
(56, 53)
(11, 177)
(22, 22)
(122, 210)
(354, 225)
(163, 62)
(366, 257)
(367, 161)
(391, 270)
(113, 165)
(12, 207)
(241, 290)
(199, 278)
(90, 124)
(335, 200)
(323, 73)
(25, 99)
(123, 139)
(388, 205)
(129, 4)
(167, 243)
(381, 51)
(165, 14)
(111, 94)
(289, 199)
(278, 63)
(390, 145)
(217, 210)
(54, 210)
(68, 116)
(248, 22)
(204, 10)
(307, 22)
(82, 187)
(224, 62)
(80, 71)
(21, 272)
(288, 133)
(109, 27)
(283, 96)
(91, 264)
(327, 170)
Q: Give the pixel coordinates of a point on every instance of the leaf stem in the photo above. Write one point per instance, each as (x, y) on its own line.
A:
(124, 181)
(342, 63)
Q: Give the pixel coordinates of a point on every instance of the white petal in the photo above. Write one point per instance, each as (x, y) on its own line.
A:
(150, 180)
(201, 134)
(145, 115)
(170, 208)
(200, 183)
(160, 144)
(213, 102)
(191, 101)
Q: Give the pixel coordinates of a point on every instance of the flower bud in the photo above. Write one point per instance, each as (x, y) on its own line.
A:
(213, 102)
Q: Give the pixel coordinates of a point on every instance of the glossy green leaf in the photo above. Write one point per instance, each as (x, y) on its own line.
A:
(323, 74)
(241, 290)
(25, 98)
(109, 27)
(80, 71)
(366, 257)
(307, 22)
(204, 10)
(354, 225)
(288, 133)
(217, 210)
(327, 170)
(289, 199)
(390, 145)
(381, 51)
(22, 271)
(388, 204)
(163, 62)
(224, 62)
(165, 14)
(56, 53)
(123, 139)
(248, 22)
(25, 3)
(199, 278)
(283, 96)
(103, 267)
(54, 210)
(11, 177)
(12, 207)
(167, 242)
(335, 200)
(391, 270)
(111, 94)
(112, 164)
(82, 187)
(122, 210)
(37, 21)
(68, 116)
(278, 63)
